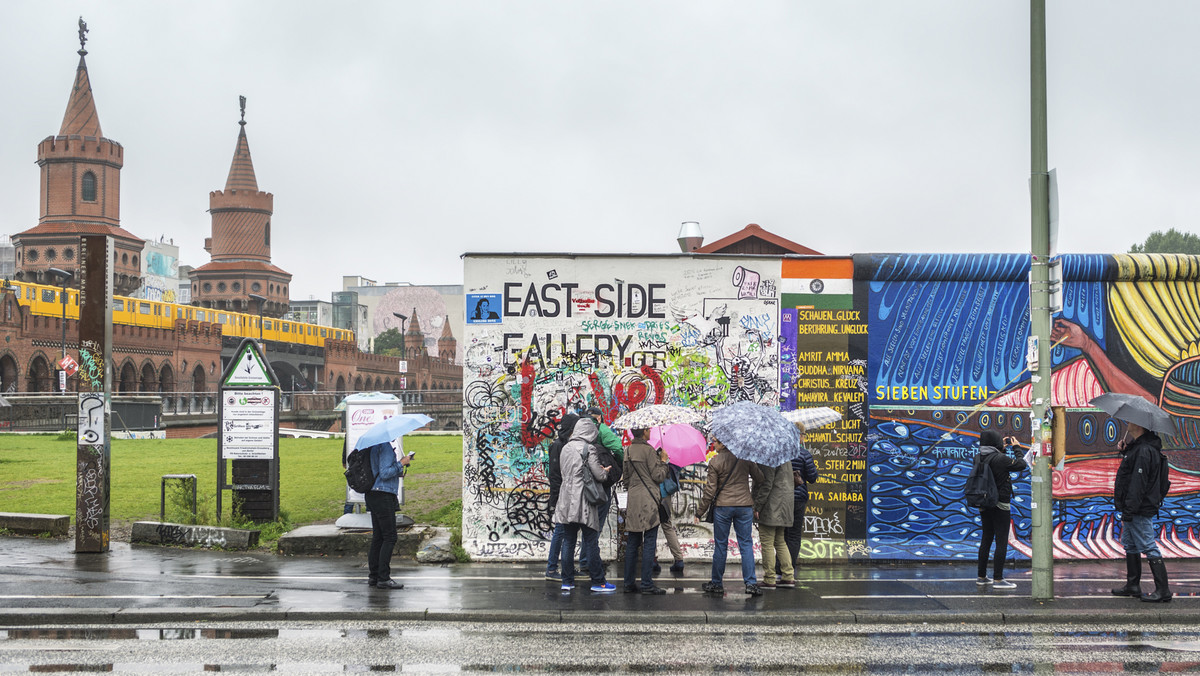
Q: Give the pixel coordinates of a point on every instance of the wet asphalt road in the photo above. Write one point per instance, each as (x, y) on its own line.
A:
(151, 609)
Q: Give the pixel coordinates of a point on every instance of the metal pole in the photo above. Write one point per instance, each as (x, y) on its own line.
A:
(1039, 307)
(63, 276)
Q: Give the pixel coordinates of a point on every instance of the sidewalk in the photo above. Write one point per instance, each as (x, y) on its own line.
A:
(44, 582)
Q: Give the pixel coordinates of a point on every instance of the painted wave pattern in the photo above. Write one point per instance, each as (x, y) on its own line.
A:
(916, 509)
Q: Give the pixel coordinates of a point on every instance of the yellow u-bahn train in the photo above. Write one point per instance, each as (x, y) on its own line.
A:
(45, 300)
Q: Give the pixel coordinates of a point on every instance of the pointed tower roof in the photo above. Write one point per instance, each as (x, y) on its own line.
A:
(81, 118)
(414, 324)
(241, 172)
(446, 332)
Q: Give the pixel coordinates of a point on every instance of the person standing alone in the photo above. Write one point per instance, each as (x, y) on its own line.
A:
(1139, 489)
(996, 519)
(383, 503)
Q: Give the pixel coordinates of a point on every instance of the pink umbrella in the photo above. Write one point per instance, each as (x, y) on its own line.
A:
(685, 444)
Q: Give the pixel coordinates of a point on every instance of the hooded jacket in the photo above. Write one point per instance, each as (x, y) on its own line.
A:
(553, 470)
(1001, 465)
(774, 496)
(1141, 483)
(579, 456)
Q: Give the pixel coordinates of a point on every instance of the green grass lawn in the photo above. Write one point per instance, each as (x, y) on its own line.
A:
(37, 475)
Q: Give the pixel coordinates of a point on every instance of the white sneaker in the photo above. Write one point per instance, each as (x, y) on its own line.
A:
(1003, 584)
(983, 581)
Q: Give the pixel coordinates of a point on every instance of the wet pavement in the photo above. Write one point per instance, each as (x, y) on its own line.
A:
(43, 581)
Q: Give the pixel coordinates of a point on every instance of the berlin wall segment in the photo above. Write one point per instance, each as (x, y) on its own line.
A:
(918, 351)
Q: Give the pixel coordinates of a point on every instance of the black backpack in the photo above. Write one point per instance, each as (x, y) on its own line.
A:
(608, 459)
(359, 476)
(981, 488)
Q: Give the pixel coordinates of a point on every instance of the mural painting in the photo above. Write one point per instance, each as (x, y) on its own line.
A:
(947, 336)
(614, 332)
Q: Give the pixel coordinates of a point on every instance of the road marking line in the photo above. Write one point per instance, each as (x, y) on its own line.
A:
(131, 596)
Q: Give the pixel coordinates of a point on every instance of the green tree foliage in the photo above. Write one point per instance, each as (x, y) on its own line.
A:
(1171, 241)
(389, 342)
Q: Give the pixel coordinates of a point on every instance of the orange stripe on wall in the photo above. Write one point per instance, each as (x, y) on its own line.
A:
(825, 268)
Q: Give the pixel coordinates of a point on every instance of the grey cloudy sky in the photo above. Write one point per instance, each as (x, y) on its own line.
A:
(849, 126)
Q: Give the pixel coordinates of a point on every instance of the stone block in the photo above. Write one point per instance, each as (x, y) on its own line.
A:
(157, 533)
(328, 540)
(34, 524)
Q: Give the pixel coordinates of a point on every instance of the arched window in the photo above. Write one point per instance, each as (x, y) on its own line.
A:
(89, 187)
(267, 234)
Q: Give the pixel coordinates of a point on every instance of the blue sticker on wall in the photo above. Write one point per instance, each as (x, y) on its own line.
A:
(483, 308)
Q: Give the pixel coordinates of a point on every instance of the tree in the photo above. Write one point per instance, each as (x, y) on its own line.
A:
(389, 342)
(1171, 241)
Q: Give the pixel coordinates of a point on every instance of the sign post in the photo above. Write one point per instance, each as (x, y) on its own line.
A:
(95, 395)
(248, 434)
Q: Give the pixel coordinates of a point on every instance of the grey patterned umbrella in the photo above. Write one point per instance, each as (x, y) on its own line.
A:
(756, 433)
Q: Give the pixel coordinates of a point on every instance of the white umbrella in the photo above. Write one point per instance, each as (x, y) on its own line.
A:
(813, 418)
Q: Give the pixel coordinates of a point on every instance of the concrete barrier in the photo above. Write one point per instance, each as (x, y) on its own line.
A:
(35, 524)
(329, 540)
(158, 533)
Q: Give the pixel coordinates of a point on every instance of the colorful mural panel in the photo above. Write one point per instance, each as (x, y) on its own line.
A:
(612, 332)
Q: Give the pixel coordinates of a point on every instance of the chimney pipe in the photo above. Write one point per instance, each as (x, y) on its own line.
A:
(690, 238)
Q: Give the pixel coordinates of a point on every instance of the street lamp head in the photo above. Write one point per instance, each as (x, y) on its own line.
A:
(257, 297)
(397, 315)
(63, 274)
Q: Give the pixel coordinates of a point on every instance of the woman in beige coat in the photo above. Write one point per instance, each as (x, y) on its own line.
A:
(773, 512)
(645, 468)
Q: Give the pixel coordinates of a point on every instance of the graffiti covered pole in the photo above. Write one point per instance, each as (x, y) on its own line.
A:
(1039, 307)
(95, 395)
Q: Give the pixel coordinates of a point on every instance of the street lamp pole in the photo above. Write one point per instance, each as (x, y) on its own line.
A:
(402, 318)
(260, 300)
(65, 277)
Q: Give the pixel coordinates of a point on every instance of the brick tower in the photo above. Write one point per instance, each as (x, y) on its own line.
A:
(447, 344)
(414, 340)
(240, 244)
(80, 195)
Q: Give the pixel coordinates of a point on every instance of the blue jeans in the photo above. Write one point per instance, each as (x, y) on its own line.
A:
(648, 543)
(742, 520)
(591, 547)
(1137, 536)
(604, 510)
(556, 542)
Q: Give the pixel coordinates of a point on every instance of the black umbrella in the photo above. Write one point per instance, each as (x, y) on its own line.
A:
(1137, 410)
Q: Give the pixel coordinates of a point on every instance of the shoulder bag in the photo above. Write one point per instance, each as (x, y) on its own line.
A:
(592, 493)
(663, 515)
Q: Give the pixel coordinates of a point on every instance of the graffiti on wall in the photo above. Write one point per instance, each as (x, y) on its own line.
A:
(947, 336)
(616, 333)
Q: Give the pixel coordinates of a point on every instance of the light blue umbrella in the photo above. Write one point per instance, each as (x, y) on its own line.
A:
(756, 433)
(389, 429)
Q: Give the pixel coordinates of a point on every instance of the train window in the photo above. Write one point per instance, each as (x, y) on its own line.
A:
(322, 333)
(178, 313)
(266, 323)
(144, 308)
(284, 326)
(157, 310)
(118, 305)
(29, 293)
(224, 319)
(47, 295)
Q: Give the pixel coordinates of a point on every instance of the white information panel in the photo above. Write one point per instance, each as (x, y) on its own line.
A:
(248, 424)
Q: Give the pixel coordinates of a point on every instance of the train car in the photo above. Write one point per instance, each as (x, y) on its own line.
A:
(47, 301)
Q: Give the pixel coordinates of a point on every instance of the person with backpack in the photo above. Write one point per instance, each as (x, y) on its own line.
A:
(554, 471)
(610, 453)
(383, 502)
(1139, 489)
(989, 488)
(579, 500)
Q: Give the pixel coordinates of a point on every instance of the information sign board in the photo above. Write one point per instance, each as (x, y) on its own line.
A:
(248, 424)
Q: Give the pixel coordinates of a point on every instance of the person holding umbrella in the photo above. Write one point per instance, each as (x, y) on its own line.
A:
(383, 503)
(646, 468)
(727, 489)
(1139, 488)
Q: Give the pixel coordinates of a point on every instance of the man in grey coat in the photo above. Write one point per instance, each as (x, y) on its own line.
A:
(774, 514)
(574, 511)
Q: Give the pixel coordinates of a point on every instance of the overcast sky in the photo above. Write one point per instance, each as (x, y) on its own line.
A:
(848, 126)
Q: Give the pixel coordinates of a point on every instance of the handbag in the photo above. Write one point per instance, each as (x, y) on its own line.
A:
(670, 485)
(592, 493)
(797, 478)
(664, 515)
(711, 514)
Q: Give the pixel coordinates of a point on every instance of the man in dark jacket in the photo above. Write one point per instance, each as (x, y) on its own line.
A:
(1139, 490)
(996, 520)
(554, 471)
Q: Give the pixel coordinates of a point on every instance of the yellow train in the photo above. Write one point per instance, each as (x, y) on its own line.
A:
(45, 300)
